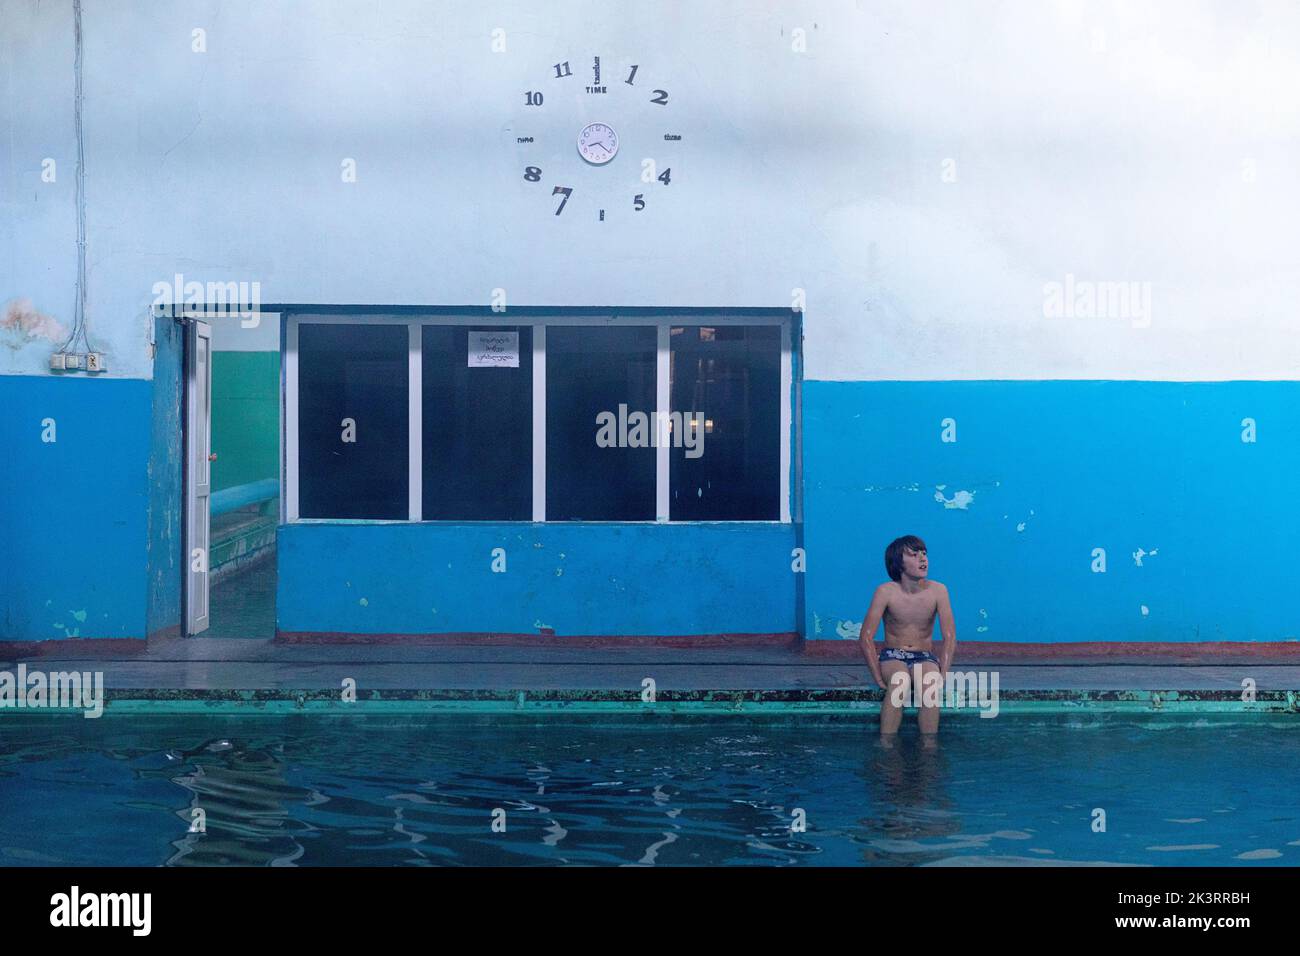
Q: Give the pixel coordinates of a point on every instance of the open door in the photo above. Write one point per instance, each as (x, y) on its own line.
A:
(198, 473)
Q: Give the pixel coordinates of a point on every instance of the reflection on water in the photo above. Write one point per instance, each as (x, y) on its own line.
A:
(292, 791)
(907, 800)
(244, 803)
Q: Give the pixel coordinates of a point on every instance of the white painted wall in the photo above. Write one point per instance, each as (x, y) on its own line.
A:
(1151, 142)
(236, 334)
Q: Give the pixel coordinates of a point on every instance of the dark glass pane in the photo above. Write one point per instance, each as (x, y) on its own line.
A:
(478, 423)
(590, 371)
(730, 377)
(356, 372)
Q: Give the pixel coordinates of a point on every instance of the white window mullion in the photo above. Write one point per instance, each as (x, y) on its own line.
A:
(290, 489)
(415, 420)
(663, 397)
(539, 422)
(787, 365)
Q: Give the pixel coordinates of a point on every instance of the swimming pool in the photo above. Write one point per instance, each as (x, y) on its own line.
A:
(326, 790)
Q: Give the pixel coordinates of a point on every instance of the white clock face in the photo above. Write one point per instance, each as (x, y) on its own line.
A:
(597, 143)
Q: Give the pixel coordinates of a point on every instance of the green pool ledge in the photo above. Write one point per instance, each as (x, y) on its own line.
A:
(856, 704)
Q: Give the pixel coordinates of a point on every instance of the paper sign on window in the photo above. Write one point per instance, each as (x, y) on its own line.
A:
(493, 349)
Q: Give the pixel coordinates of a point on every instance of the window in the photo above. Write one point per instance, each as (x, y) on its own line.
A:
(634, 417)
(726, 382)
(477, 423)
(594, 375)
(352, 421)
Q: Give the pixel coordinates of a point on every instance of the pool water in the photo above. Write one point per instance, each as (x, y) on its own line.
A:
(326, 790)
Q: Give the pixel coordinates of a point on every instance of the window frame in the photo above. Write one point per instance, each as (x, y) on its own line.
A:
(663, 321)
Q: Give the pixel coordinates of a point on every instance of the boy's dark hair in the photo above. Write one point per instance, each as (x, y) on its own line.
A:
(894, 553)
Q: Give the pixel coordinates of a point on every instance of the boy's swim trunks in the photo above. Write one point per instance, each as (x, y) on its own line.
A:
(906, 656)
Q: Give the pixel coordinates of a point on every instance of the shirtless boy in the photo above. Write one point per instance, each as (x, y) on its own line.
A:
(908, 604)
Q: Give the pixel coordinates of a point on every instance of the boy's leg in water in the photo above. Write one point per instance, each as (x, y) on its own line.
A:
(929, 692)
(898, 687)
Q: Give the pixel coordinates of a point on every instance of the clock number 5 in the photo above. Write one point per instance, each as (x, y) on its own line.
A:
(638, 202)
(566, 192)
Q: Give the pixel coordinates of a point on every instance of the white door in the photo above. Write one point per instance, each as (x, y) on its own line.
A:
(198, 480)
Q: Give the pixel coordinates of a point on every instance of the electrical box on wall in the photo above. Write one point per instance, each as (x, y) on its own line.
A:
(77, 362)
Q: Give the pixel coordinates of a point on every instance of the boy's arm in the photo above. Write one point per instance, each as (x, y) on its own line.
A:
(948, 628)
(867, 636)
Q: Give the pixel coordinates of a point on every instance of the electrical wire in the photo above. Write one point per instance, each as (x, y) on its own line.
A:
(79, 317)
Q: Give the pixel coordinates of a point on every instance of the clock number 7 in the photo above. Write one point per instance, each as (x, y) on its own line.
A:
(565, 191)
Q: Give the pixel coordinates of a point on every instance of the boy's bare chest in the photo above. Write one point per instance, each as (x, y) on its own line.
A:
(912, 608)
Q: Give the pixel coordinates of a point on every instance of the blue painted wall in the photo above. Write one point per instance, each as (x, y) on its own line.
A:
(588, 579)
(1057, 469)
(166, 523)
(1053, 470)
(75, 510)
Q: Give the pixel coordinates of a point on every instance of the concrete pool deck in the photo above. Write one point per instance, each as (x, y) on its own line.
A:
(206, 674)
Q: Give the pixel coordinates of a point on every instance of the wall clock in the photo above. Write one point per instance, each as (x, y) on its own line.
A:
(596, 142)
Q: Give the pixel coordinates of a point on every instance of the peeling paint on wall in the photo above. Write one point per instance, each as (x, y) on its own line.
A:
(849, 630)
(79, 617)
(961, 499)
(26, 325)
(1139, 554)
